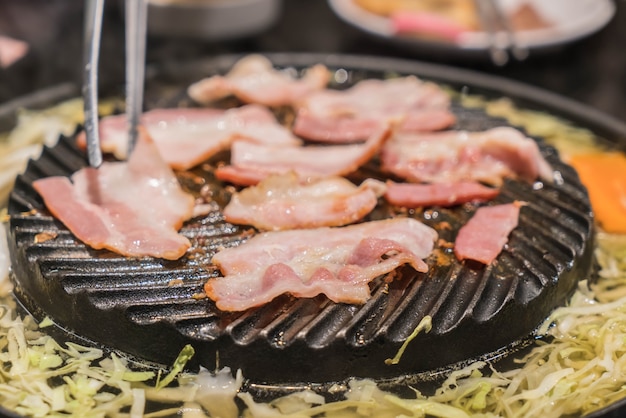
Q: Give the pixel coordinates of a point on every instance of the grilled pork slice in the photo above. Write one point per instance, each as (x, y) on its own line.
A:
(452, 156)
(253, 79)
(251, 163)
(483, 237)
(187, 137)
(282, 202)
(352, 115)
(414, 195)
(133, 208)
(337, 262)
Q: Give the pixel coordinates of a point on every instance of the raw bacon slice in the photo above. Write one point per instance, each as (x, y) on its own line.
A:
(251, 163)
(133, 208)
(483, 237)
(352, 115)
(453, 156)
(337, 262)
(253, 79)
(412, 195)
(282, 202)
(187, 137)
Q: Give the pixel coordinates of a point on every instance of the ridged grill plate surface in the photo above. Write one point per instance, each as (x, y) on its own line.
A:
(150, 308)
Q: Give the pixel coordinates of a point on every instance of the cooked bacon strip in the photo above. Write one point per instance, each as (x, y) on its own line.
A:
(187, 137)
(453, 156)
(412, 195)
(251, 163)
(483, 237)
(338, 262)
(283, 202)
(352, 115)
(253, 79)
(133, 208)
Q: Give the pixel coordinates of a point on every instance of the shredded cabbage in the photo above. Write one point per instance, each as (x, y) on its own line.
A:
(426, 324)
(37, 128)
(578, 367)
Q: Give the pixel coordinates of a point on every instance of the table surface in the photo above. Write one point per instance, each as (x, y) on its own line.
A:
(591, 70)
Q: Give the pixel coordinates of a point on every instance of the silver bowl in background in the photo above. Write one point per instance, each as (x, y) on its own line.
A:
(211, 19)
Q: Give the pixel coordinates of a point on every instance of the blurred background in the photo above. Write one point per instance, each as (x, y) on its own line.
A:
(41, 44)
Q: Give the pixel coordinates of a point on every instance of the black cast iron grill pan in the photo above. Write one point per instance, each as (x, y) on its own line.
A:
(150, 308)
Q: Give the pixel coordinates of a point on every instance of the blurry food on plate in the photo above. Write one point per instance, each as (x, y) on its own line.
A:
(463, 12)
(448, 19)
(527, 17)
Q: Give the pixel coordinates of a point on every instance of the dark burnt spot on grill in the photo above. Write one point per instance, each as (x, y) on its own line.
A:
(150, 308)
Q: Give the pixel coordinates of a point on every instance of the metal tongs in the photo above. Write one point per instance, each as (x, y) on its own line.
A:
(502, 37)
(136, 24)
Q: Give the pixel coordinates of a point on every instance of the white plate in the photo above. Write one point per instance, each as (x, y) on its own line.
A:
(570, 20)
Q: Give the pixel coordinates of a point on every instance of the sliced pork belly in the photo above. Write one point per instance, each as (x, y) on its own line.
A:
(251, 163)
(282, 202)
(413, 195)
(484, 235)
(337, 262)
(253, 79)
(453, 156)
(352, 115)
(133, 208)
(187, 137)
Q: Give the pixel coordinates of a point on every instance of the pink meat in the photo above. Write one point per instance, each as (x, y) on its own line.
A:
(453, 156)
(11, 50)
(253, 79)
(412, 195)
(251, 163)
(484, 236)
(352, 115)
(283, 202)
(337, 262)
(429, 24)
(187, 137)
(133, 208)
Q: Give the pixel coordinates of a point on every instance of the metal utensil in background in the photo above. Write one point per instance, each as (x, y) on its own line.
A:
(136, 27)
(503, 40)
(91, 56)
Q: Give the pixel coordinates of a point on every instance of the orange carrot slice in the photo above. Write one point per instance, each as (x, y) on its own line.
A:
(604, 175)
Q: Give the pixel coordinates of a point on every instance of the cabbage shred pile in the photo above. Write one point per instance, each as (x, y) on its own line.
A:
(578, 366)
